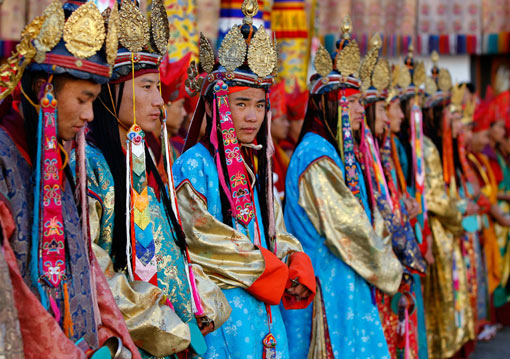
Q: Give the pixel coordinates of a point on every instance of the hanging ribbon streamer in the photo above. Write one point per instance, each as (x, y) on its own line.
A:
(237, 191)
(165, 145)
(419, 168)
(346, 145)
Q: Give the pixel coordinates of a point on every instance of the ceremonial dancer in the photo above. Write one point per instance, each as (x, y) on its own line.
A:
(233, 224)
(134, 216)
(64, 305)
(329, 208)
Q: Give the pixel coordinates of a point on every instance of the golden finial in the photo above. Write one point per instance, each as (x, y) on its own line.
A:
(375, 42)
(346, 27)
(250, 8)
(410, 50)
(434, 57)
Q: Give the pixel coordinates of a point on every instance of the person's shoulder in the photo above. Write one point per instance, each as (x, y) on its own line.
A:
(195, 156)
(313, 147)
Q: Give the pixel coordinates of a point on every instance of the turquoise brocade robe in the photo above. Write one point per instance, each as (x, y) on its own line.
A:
(242, 334)
(146, 317)
(355, 330)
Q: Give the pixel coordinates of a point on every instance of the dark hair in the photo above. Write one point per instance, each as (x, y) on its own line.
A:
(432, 125)
(104, 134)
(322, 110)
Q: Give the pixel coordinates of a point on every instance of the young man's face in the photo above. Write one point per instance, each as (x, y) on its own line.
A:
(279, 127)
(356, 111)
(381, 119)
(395, 115)
(148, 102)
(248, 109)
(175, 113)
(479, 140)
(74, 105)
(497, 131)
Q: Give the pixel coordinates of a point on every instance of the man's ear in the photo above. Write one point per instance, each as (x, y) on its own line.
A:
(208, 110)
(37, 85)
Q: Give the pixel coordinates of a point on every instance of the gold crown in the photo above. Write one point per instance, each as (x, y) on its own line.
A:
(259, 54)
(469, 110)
(347, 59)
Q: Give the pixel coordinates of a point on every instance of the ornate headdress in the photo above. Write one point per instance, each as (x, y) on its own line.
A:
(457, 97)
(410, 76)
(142, 46)
(341, 70)
(247, 58)
(438, 86)
(69, 38)
(375, 73)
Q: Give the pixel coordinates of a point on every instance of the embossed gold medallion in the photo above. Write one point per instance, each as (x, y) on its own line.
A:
(133, 27)
(261, 55)
(323, 63)
(381, 76)
(160, 30)
(348, 60)
(233, 49)
(403, 77)
(430, 86)
(112, 38)
(206, 54)
(84, 31)
(444, 81)
(419, 74)
(52, 28)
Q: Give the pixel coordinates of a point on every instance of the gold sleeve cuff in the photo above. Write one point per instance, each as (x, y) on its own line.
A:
(337, 215)
(153, 325)
(226, 256)
(214, 303)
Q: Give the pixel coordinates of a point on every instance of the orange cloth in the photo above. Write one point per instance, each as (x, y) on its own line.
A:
(269, 287)
(300, 268)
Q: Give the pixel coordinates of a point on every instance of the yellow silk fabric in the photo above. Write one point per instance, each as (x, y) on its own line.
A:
(444, 337)
(153, 325)
(338, 216)
(227, 256)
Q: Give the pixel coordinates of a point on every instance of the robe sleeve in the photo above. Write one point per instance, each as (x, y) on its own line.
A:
(338, 216)
(153, 325)
(438, 203)
(227, 256)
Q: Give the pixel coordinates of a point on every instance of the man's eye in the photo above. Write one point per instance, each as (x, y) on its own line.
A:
(80, 101)
(240, 104)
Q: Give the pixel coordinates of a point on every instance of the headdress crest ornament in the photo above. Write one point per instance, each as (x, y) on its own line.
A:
(438, 86)
(411, 76)
(84, 31)
(375, 73)
(340, 69)
(457, 97)
(112, 41)
(247, 54)
(348, 59)
(323, 63)
(134, 29)
(160, 30)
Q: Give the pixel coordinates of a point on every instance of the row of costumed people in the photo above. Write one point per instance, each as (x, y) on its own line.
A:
(118, 249)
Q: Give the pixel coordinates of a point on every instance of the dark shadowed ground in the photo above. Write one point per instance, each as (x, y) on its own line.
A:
(498, 348)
